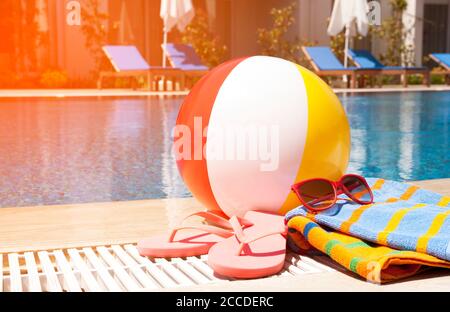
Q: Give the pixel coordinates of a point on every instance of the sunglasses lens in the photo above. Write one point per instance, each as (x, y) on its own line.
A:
(317, 194)
(357, 188)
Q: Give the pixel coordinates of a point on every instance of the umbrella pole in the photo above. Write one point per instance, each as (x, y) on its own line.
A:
(164, 59)
(347, 39)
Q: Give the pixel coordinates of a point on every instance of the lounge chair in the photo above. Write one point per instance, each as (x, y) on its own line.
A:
(443, 59)
(184, 57)
(365, 60)
(127, 61)
(325, 63)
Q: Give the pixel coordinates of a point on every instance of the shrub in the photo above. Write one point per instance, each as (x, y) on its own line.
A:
(394, 33)
(274, 42)
(415, 79)
(54, 79)
(95, 33)
(337, 45)
(438, 76)
(208, 46)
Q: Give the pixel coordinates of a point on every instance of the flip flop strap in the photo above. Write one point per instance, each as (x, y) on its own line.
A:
(225, 229)
(217, 219)
(244, 240)
(204, 228)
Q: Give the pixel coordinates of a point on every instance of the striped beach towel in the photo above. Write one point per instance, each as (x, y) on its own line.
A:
(403, 217)
(375, 263)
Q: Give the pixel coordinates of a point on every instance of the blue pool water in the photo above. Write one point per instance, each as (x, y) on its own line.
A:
(400, 136)
(56, 151)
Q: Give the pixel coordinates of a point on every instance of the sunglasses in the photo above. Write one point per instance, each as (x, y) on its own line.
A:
(320, 194)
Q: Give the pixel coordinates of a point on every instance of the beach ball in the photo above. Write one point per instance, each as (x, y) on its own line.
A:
(254, 126)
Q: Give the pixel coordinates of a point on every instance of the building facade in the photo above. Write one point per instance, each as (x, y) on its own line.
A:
(62, 45)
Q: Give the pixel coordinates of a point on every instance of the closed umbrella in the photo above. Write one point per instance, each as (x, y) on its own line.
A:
(345, 12)
(175, 13)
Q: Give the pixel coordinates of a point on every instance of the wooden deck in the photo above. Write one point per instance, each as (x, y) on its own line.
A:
(80, 225)
(65, 226)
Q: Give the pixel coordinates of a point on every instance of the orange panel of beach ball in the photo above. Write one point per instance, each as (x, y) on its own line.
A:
(254, 126)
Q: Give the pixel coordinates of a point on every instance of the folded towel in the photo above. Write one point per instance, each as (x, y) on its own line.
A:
(402, 217)
(377, 264)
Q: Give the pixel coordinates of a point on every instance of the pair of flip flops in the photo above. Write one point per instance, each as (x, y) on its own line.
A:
(249, 247)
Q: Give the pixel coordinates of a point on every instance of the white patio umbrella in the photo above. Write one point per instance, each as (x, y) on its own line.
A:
(345, 12)
(126, 34)
(175, 13)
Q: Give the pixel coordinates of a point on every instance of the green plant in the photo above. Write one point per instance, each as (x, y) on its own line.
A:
(274, 41)
(394, 34)
(54, 78)
(94, 30)
(20, 36)
(415, 79)
(438, 76)
(206, 44)
(337, 45)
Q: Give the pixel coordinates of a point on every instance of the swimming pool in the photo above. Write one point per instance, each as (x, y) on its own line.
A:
(400, 135)
(77, 150)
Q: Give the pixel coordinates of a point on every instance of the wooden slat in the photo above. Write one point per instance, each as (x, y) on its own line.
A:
(53, 284)
(107, 279)
(69, 278)
(316, 264)
(190, 271)
(15, 279)
(307, 267)
(86, 275)
(123, 276)
(202, 267)
(298, 262)
(285, 273)
(140, 275)
(34, 283)
(176, 274)
(160, 276)
(293, 269)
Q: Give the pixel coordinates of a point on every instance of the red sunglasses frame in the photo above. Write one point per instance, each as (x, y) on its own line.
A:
(338, 189)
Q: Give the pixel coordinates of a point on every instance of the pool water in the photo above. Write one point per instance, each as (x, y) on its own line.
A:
(78, 150)
(400, 136)
(57, 151)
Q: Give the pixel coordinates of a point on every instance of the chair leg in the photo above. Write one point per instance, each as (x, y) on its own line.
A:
(353, 81)
(427, 78)
(150, 81)
(405, 80)
(362, 81)
(99, 81)
(182, 82)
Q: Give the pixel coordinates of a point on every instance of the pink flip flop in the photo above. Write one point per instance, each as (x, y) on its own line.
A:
(252, 252)
(192, 240)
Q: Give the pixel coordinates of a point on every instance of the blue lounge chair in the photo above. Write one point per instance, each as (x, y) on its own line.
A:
(365, 60)
(127, 61)
(184, 57)
(443, 59)
(325, 63)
